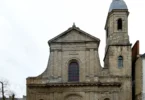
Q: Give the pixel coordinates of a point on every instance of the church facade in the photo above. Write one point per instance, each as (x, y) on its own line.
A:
(74, 71)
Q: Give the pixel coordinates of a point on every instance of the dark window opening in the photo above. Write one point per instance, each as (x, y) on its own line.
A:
(73, 72)
(119, 24)
(106, 99)
(107, 32)
(120, 61)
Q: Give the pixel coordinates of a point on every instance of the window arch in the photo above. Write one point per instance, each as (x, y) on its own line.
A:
(120, 61)
(119, 24)
(106, 99)
(73, 71)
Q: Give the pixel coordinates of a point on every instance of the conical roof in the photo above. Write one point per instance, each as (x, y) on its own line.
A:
(117, 4)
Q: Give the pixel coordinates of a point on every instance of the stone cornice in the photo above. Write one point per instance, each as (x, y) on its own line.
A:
(129, 44)
(114, 76)
(99, 84)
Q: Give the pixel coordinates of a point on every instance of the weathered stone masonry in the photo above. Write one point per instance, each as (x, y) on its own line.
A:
(93, 82)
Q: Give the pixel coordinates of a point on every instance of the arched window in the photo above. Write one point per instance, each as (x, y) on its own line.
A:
(120, 61)
(73, 71)
(119, 24)
(106, 99)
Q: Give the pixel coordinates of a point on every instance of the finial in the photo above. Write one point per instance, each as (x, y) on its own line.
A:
(74, 25)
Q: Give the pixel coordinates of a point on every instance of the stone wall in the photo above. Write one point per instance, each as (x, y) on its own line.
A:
(61, 54)
(138, 78)
(70, 93)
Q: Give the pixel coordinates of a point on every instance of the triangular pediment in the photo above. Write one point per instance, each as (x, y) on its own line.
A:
(74, 34)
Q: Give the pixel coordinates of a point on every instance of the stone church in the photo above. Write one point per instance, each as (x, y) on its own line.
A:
(74, 71)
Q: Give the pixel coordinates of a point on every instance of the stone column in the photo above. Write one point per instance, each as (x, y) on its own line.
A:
(92, 62)
(92, 96)
(55, 63)
(97, 63)
(87, 96)
(51, 96)
(55, 96)
(82, 65)
(59, 63)
(87, 62)
(48, 96)
(64, 68)
(51, 69)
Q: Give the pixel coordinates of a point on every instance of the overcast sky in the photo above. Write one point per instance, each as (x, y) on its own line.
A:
(27, 25)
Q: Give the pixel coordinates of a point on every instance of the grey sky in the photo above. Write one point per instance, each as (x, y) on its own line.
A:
(27, 25)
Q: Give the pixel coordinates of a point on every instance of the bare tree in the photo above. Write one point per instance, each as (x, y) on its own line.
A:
(4, 90)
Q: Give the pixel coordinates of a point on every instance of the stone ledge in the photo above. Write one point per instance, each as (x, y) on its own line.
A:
(99, 84)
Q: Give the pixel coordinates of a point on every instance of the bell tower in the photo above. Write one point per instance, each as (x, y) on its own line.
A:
(117, 24)
(118, 48)
(118, 54)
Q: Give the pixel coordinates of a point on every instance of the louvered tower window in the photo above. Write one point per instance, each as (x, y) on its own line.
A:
(119, 24)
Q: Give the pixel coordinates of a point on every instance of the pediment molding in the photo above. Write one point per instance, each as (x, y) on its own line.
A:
(89, 38)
